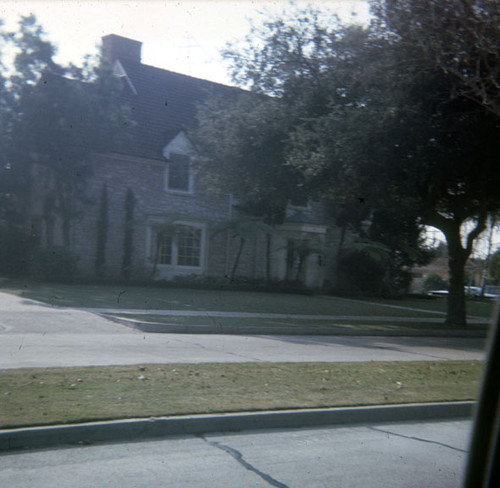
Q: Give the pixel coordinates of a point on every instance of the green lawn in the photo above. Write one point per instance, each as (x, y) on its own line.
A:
(344, 325)
(69, 395)
(170, 298)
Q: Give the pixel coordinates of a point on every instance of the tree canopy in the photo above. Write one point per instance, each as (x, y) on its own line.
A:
(242, 149)
(460, 37)
(53, 118)
(400, 115)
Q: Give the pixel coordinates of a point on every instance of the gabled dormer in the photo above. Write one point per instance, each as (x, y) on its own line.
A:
(179, 154)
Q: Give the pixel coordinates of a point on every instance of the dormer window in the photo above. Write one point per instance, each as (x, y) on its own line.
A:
(179, 153)
(178, 172)
(178, 175)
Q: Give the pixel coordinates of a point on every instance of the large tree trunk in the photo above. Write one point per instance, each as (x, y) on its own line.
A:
(66, 232)
(340, 247)
(456, 310)
(457, 258)
(237, 259)
(66, 213)
(268, 258)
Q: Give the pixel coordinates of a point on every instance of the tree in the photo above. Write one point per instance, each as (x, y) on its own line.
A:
(298, 250)
(309, 68)
(102, 232)
(494, 268)
(408, 142)
(430, 156)
(433, 281)
(16, 243)
(243, 229)
(372, 116)
(403, 239)
(451, 109)
(59, 116)
(245, 140)
(460, 37)
(243, 153)
(243, 149)
(128, 237)
(281, 52)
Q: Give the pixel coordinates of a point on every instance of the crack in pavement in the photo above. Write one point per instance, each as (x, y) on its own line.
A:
(442, 444)
(234, 453)
(319, 341)
(212, 349)
(415, 353)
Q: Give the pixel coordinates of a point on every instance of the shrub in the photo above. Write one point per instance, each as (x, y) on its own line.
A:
(15, 249)
(53, 263)
(433, 281)
(360, 274)
(102, 233)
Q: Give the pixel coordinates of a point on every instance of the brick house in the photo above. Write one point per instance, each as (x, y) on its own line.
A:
(174, 214)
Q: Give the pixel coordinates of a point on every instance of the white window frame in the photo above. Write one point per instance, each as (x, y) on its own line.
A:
(189, 190)
(174, 268)
(180, 145)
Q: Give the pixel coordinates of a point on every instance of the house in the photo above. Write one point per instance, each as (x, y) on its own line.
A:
(438, 266)
(171, 215)
(475, 270)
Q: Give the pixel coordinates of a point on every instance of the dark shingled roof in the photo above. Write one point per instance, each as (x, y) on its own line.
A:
(162, 104)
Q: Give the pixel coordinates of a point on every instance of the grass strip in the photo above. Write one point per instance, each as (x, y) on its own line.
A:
(344, 324)
(45, 396)
(170, 298)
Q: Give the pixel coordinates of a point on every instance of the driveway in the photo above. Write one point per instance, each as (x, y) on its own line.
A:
(37, 335)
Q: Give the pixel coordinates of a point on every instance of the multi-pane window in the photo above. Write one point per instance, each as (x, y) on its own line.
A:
(180, 246)
(164, 248)
(178, 178)
(188, 246)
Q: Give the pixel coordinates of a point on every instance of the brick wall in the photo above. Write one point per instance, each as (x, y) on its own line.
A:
(146, 179)
(153, 203)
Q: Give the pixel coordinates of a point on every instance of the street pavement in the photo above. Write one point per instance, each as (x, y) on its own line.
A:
(37, 335)
(399, 455)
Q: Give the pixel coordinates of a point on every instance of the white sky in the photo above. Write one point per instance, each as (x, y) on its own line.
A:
(182, 36)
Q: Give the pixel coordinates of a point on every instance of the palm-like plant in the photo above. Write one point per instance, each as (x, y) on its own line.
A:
(243, 229)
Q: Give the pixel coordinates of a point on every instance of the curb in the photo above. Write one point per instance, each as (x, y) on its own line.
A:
(159, 328)
(135, 429)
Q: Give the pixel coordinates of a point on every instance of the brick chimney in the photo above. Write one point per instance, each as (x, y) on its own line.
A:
(118, 47)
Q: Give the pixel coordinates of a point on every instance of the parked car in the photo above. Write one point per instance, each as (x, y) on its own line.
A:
(492, 291)
(470, 291)
(473, 291)
(438, 293)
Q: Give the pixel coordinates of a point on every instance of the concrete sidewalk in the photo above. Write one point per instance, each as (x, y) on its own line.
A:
(38, 335)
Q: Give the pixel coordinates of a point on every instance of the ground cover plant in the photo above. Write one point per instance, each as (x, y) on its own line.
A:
(69, 395)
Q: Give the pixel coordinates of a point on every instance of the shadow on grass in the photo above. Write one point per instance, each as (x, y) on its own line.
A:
(399, 344)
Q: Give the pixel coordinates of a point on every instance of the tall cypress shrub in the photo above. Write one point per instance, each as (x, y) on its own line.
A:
(102, 232)
(128, 238)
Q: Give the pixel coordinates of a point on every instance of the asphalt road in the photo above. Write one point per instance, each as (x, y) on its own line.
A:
(37, 335)
(402, 455)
